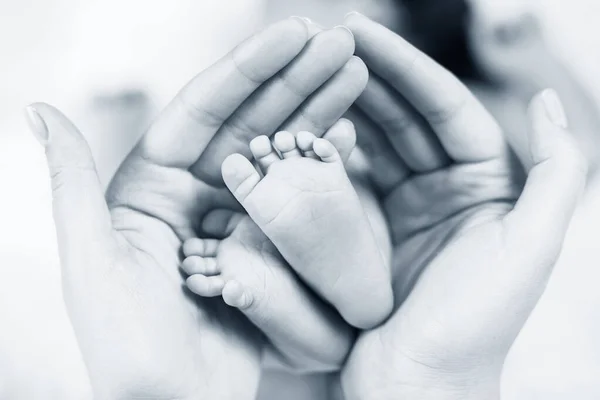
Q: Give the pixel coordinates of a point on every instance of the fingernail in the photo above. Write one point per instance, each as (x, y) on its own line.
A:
(303, 19)
(37, 125)
(554, 108)
(353, 13)
(344, 27)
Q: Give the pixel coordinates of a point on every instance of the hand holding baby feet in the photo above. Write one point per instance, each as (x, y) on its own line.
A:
(473, 250)
(306, 205)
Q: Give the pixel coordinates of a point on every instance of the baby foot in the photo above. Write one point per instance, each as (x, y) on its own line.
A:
(306, 205)
(249, 273)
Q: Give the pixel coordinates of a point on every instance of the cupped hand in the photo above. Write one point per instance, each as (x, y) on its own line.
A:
(472, 248)
(141, 334)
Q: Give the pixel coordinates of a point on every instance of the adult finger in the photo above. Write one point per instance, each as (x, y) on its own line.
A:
(407, 131)
(330, 101)
(554, 184)
(183, 130)
(277, 99)
(387, 169)
(465, 129)
(81, 216)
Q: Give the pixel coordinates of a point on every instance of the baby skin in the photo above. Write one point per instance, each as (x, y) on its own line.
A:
(303, 211)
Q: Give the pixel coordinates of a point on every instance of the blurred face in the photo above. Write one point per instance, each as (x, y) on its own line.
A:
(331, 12)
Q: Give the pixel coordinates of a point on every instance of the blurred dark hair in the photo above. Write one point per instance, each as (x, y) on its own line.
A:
(440, 29)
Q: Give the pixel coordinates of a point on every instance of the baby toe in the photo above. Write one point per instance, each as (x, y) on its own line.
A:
(201, 247)
(305, 141)
(200, 265)
(206, 286)
(343, 137)
(285, 142)
(263, 152)
(236, 296)
(240, 176)
(326, 151)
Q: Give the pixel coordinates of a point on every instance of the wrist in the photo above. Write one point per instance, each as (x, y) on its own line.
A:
(423, 379)
(434, 386)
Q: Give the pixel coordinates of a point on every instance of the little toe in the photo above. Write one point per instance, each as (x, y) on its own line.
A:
(285, 142)
(236, 296)
(263, 152)
(201, 247)
(207, 286)
(220, 223)
(326, 151)
(343, 137)
(305, 141)
(240, 176)
(200, 265)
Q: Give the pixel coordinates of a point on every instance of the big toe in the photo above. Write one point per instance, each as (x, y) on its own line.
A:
(240, 176)
(343, 137)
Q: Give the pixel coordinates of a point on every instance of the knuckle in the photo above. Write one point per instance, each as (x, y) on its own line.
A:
(253, 76)
(65, 175)
(199, 112)
(573, 160)
(241, 130)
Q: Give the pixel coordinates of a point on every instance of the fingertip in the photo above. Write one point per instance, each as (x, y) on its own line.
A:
(294, 28)
(547, 103)
(549, 136)
(45, 108)
(59, 135)
(297, 30)
(281, 42)
(302, 20)
(348, 127)
(345, 29)
(355, 21)
(357, 67)
(44, 119)
(352, 16)
(342, 37)
(37, 125)
(314, 28)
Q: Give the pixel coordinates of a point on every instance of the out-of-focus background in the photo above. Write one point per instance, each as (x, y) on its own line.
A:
(110, 65)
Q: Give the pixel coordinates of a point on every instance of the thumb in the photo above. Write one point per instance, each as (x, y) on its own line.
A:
(555, 182)
(80, 211)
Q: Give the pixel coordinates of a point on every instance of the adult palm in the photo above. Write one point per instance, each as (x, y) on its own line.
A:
(141, 334)
(470, 260)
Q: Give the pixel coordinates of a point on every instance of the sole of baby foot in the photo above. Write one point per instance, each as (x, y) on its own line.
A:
(308, 208)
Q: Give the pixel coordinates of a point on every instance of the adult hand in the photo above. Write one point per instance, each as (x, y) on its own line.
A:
(473, 258)
(141, 334)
